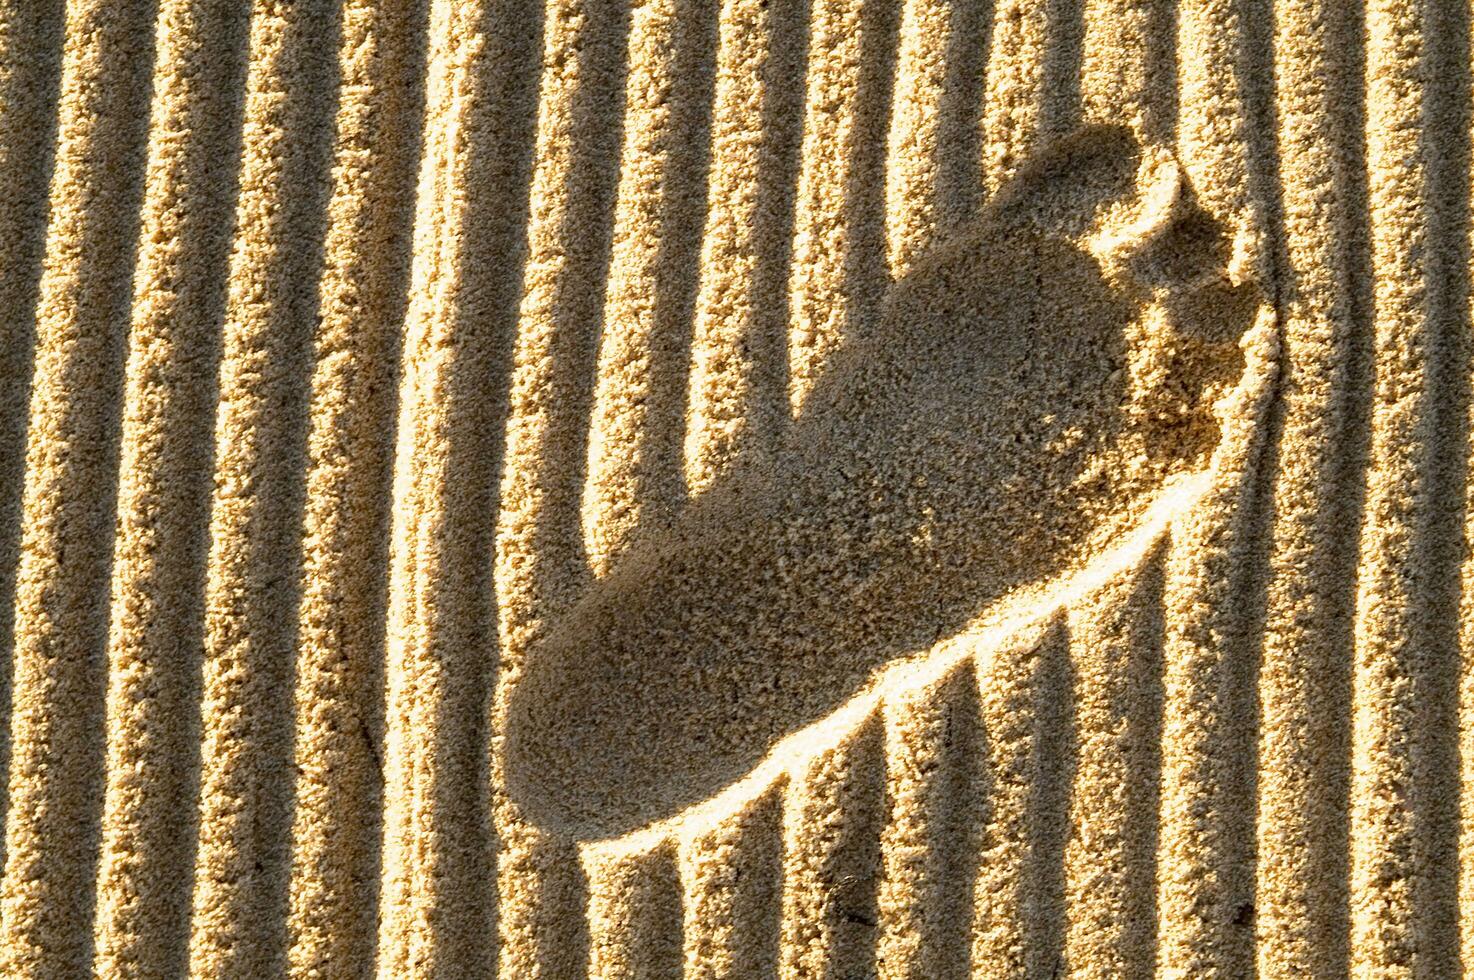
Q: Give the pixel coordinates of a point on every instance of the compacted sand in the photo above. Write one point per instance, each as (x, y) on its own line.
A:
(736, 488)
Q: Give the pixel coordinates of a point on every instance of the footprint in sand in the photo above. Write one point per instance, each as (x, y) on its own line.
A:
(1032, 385)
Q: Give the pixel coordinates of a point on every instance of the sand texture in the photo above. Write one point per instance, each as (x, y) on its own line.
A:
(736, 488)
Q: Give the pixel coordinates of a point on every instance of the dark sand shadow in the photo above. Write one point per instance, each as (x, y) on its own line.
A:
(1441, 540)
(28, 127)
(990, 429)
(465, 606)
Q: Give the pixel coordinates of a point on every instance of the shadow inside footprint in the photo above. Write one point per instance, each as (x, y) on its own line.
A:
(1019, 404)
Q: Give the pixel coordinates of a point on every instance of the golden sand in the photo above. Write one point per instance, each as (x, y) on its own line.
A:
(736, 488)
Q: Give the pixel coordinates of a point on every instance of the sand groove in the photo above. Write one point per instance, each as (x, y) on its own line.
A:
(174, 335)
(71, 465)
(736, 488)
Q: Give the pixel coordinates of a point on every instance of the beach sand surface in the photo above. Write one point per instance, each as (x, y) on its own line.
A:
(736, 488)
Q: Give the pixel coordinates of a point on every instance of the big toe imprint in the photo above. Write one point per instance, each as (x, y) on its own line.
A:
(1032, 386)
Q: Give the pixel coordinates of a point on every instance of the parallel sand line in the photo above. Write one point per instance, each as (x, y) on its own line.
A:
(338, 701)
(959, 178)
(253, 576)
(147, 855)
(30, 66)
(1205, 869)
(831, 823)
(928, 848)
(1128, 69)
(645, 350)
(411, 693)
(739, 352)
(570, 232)
(1128, 66)
(1402, 890)
(1014, 81)
(634, 913)
(541, 554)
(465, 285)
(1388, 656)
(1110, 861)
(839, 266)
(731, 890)
(1315, 431)
(1465, 885)
(915, 150)
(1441, 543)
(1011, 908)
(61, 609)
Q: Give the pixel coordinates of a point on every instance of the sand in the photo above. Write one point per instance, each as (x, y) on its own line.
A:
(736, 488)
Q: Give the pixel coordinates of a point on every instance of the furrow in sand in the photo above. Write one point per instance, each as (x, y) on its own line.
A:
(1033, 82)
(1316, 430)
(338, 710)
(959, 175)
(930, 840)
(1401, 862)
(1205, 869)
(634, 912)
(1013, 96)
(1446, 120)
(30, 68)
(839, 273)
(1111, 856)
(1128, 72)
(731, 884)
(1016, 912)
(1114, 662)
(832, 813)
(1206, 859)
(579, 136)
(739, 379)
(1054, 758)
(61, 611)
(1128, 66)
(1465, 722)
(147, 854)
(635, 475)
(253, 576)
(544, 897)
(1060, 107)
(540, 554)
(437, 905)
(931, 41)
(1384, 862)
